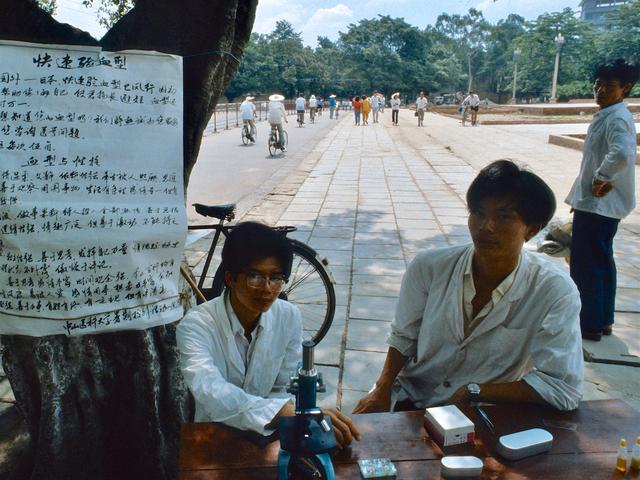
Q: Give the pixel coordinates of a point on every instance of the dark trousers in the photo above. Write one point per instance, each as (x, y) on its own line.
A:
(593, 268)
(394, 116)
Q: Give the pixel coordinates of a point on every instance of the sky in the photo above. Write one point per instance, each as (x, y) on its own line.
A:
(328, 17)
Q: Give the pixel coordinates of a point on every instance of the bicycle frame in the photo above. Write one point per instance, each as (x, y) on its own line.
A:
(220, 228)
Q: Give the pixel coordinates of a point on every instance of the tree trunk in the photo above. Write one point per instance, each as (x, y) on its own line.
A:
(110, 405)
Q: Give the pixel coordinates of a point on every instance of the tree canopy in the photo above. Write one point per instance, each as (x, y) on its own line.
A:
(457, 53)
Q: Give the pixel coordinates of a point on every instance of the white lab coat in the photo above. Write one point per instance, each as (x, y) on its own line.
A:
(532, 333)
(215, 373)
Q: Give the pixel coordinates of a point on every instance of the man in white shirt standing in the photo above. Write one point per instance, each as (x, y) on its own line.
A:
(421, 107)
(487, 321)
(276, 115)
(473, 101)
(248, 113)
(375, 106)
(301, 103)
(237, 351)
(602, 195)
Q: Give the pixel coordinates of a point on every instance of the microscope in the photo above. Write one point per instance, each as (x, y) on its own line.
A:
(306, 438)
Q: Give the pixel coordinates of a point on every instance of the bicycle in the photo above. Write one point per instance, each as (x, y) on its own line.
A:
(246, 134)
(300, 118)
(310, 285)
(465, 115)
(274, 142)
(312, 115)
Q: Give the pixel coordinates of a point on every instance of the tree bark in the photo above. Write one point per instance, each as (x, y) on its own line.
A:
(110, 405)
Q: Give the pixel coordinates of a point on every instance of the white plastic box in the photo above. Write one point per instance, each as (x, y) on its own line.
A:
(448, 425)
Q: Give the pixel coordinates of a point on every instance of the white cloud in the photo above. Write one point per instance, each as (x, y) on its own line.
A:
(326, 22)
(271, 11)
(495, 10)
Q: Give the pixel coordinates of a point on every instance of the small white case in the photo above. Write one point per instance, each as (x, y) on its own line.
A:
(524, 444)
(461, 467)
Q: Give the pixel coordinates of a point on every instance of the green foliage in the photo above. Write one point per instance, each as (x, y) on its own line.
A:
(48, 6)
(536, 64)
(622, 40)
(575, 89)
(110, 11)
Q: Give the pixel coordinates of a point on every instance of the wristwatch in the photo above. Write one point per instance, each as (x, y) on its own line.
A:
(474, 392)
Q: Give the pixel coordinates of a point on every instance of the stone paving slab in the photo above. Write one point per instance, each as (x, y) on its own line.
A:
(372, 307)
(623, 347)
(330, 377)
(379, 285)
(350, 399)
(361, 369)
(327, 352)
(367, 335)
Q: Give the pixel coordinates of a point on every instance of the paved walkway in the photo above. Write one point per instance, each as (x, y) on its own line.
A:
(376, 195)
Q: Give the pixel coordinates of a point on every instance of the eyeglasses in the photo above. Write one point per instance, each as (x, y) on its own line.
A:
(258, 280)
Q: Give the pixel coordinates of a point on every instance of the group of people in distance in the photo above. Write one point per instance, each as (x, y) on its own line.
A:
(363, 106)
(488, 317)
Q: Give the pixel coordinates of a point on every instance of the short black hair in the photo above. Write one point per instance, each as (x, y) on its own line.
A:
(625, 72)
(249, 242)
(533, 199)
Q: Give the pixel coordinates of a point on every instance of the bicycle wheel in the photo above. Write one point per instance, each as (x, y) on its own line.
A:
(309, 288)
(272, 145)
(245, 135)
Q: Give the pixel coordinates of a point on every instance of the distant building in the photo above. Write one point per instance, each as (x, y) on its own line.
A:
(595, 11)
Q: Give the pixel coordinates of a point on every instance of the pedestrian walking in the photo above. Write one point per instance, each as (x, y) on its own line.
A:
(332, 105)
(366, 108)
(375, 106)
(421, 107)
(357, 106)
(602, 195)
(473, 101)
(395, 107)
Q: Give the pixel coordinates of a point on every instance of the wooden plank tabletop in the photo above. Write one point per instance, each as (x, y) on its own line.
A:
(585, 443)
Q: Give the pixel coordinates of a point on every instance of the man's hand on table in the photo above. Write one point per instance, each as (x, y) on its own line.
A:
(343, 427)
(377, 400)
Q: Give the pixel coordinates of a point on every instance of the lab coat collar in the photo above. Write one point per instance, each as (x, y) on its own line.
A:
(500, 311)
(260, 349)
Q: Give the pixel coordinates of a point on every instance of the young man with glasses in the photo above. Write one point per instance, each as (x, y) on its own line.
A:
(238, 350)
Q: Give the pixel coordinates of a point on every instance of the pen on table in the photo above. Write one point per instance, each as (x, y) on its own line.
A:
(485, 418)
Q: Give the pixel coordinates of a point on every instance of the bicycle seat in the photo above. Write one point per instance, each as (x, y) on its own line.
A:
(227, 211)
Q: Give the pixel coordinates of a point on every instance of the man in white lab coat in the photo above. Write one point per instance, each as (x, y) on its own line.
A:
(487, 321)
(238, 351)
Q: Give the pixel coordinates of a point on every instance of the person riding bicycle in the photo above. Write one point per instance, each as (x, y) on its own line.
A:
(276, 114)
(248, 113)
(301, 103)
(313, 105)
(238, 350)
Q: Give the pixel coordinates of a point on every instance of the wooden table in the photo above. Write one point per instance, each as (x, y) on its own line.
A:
(584, 446)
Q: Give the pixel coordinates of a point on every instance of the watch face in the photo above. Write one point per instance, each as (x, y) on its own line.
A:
(474, 389)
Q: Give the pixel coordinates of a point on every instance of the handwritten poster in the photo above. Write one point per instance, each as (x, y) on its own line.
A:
(92, 217)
